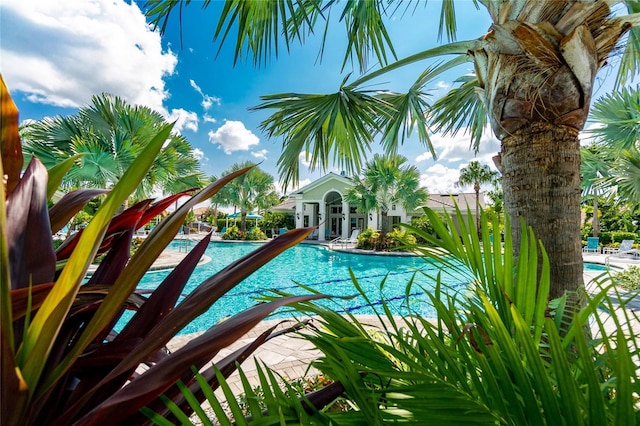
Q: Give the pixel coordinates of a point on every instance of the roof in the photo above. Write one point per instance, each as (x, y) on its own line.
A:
(320, 181)
(288, 205)
(448, 201)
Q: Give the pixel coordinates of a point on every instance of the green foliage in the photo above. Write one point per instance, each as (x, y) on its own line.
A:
(616, 237)
(368, 239)
(424, 225)
(273, 221)
(250, 191)
(255, 234)
(397, 239)
(629, 278)
(109, 134)
(385, 181)
(293, 389)
(498, 353)
(63, 359)
(232, 233)
(400, 238)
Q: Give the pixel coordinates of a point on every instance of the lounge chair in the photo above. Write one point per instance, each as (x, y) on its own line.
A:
(592, 245)
(314, 235)
(626, 247)
(353, 239)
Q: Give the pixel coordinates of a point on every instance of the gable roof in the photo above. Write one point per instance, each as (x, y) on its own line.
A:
(326, 178)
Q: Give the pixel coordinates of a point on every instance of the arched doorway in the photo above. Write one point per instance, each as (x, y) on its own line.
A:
(333, 214)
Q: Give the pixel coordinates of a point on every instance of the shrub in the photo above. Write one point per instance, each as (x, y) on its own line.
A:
(62, 360)
(232, 233)
(400, 238)
(255, 234)
(368, 239)
(629, 278)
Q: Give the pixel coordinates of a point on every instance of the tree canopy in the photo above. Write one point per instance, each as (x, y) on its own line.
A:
(105, 137)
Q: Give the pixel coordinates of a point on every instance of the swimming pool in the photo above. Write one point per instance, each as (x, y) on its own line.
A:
(318, 267)
(324, 270)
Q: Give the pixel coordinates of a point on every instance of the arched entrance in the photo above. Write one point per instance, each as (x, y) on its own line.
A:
(333, 214)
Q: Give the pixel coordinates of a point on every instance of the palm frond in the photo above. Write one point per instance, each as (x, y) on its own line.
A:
(629, 64)
(619, 115)
(461, 108)
(366, 33)
(337, 127)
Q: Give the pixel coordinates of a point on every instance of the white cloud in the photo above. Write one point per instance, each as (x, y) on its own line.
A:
(209, 119)
(207, 101)
(439, 179)
(303, 159)
(279, 186)
(233, 136)
(262, 154)
(198, 153)
(453, 149)
(183, 119)
(84, 48)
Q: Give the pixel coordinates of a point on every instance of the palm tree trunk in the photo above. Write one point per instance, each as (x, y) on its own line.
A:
(596, 220)
(540, 167)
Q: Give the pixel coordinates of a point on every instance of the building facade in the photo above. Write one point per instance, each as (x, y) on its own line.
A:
(322, 203)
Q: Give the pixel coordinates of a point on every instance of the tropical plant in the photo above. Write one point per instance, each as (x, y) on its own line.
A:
(107, 136)
(221, 198)
(534, 76)
(385, 182)
(67, 356)
(596, 161)
(476, 174)
(369, 239)
(249, 191)
(629, 279)
(496, 352)
(617, 151)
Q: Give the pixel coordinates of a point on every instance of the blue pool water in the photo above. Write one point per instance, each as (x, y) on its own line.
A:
(595, 267)
(319, 268)
(325, 271)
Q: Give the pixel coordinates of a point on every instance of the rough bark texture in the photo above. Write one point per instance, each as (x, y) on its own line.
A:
(536, 77)
(541, 182)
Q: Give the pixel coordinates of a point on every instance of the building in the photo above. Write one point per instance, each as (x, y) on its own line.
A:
(323, 203)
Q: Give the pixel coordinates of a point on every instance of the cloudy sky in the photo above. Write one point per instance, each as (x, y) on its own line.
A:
(56, 54)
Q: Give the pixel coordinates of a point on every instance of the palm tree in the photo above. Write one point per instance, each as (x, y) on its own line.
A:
(109, 134)
(534, 75)
(476, 174)
(387, 180)
(246, 192)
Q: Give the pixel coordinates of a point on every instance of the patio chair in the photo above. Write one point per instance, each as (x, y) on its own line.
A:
(592, 245)
(626, 247)
(353, 239)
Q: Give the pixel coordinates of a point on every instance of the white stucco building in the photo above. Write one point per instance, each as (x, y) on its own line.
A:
(323, 203)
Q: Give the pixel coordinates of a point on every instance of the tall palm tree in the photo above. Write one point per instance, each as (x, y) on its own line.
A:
(109, 134)
(534, 75)
(476, 174)
(246, 191)
(387, 180)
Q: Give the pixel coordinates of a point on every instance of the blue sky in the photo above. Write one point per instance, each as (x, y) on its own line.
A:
(54, 55)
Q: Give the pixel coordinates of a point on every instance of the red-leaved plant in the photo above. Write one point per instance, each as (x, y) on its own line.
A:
(62, 361)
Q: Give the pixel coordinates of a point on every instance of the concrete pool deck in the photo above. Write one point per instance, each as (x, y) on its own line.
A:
(290, 355)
